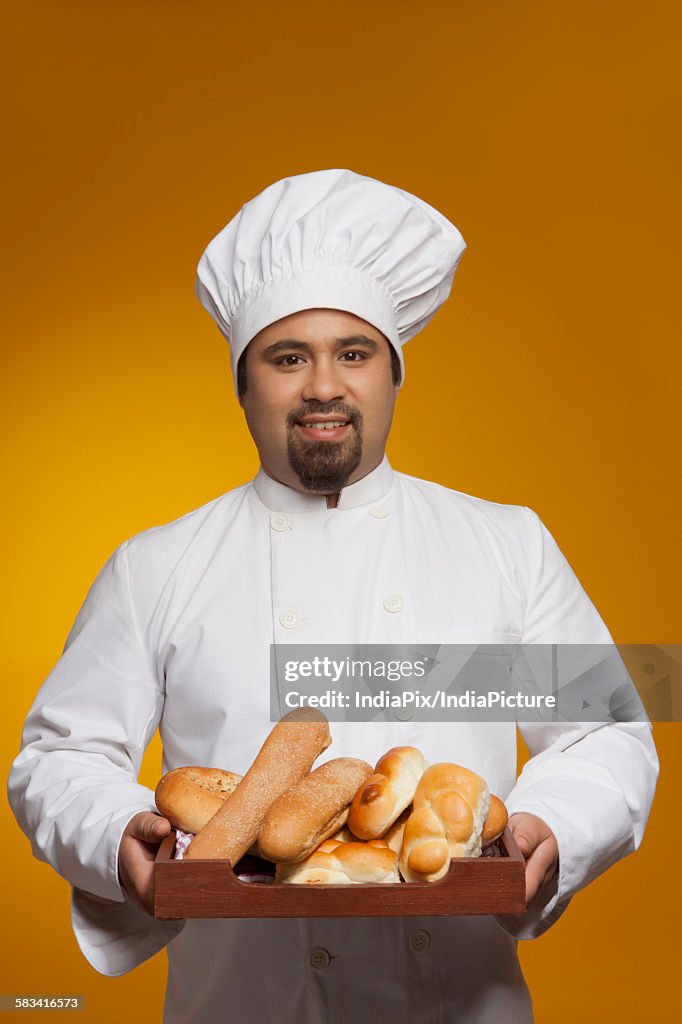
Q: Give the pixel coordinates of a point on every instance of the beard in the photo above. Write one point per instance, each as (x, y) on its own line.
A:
(324, 467)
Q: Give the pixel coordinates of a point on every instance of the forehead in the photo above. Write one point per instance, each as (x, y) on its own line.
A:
(321, 326)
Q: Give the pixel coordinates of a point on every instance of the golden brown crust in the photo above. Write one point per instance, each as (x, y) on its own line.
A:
(310, 812)
(344, 835)
(190, 796)
(336, 863)
(387, 793)
(450, 807)
(496, 822)
(285, 757)
(394, 836)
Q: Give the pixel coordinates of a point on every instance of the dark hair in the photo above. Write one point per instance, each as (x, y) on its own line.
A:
(243, 383)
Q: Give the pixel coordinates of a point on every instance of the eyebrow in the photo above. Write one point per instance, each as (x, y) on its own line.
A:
(293, 345)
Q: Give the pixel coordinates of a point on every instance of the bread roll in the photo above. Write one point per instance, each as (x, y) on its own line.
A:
(394, 836)
(343, 863)
(495, 823)
(387, 793)
(344, 835)
(189, 797)
(308, 813)
(285, 757)
(450, 806)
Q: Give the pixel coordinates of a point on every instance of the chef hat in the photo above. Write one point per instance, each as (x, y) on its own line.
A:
(330, 240)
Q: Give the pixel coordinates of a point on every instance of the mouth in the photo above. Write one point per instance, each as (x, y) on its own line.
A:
(323, 428)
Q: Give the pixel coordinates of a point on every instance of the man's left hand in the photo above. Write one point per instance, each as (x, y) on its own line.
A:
(536, 842)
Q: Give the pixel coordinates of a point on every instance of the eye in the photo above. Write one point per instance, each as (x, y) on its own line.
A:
(289, 360)
(353, 356)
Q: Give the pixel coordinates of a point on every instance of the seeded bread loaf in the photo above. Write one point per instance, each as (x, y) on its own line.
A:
(311, 811)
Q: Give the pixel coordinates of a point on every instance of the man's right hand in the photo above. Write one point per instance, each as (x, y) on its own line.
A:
(136, 855)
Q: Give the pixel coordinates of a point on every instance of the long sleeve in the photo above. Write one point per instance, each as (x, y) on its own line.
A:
(594, 790)
(591, 783)
(73, 786)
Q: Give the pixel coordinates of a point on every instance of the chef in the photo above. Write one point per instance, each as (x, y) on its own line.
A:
(317, 283)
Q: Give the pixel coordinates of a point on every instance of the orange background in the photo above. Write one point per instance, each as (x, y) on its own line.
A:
(549, 133)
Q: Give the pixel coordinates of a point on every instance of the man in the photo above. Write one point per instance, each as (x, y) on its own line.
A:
(317, 284)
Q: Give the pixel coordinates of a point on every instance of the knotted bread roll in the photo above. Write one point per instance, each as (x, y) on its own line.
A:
(335, 863)
(383, 798)
(450, 807)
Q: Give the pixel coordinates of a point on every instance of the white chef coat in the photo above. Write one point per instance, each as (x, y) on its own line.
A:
(175, 632)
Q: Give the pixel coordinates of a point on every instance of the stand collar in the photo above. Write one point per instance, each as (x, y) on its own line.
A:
(280, 498)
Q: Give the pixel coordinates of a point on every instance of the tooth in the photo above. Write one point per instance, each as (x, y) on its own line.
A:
(326, 426)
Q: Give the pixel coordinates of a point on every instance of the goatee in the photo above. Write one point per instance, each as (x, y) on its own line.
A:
(324, 467)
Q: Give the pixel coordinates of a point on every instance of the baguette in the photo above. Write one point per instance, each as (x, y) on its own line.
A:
(308, 813)
(189, 797)
(285, 757)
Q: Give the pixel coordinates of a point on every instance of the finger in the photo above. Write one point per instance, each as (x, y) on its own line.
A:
(533, 880)
(540, 867)
(139, 883)
(523, 843)
(146, 890)
(149, 827)
(159, 827)
(136, 870)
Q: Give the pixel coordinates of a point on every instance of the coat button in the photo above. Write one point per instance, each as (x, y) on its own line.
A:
(419, 941)
(279, 522)
(290, 619)
(402, 714)
(379, 512)
(394, 603)
(319, 958)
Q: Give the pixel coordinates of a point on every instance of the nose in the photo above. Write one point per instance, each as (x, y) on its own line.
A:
(324, 381)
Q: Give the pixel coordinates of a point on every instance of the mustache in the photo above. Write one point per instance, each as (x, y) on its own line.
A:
(340, 409)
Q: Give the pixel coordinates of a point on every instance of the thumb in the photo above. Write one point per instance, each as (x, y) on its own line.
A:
(523, 842)
(526, 835)
(150, 827)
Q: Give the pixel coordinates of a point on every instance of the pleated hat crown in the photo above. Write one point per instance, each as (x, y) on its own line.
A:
(330, 240)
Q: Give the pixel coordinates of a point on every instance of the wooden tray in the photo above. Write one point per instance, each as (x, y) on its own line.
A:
(210, 888)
